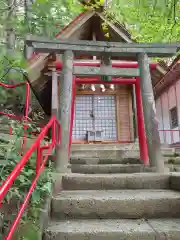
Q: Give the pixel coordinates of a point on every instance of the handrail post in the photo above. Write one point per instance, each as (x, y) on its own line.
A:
(38, 159)
(23, 141)
(54, 134)
(27, 101)
(26, 112)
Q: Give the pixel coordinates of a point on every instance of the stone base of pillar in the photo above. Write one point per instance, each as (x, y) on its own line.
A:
(61, 168)
(157, 155)
(61, 160)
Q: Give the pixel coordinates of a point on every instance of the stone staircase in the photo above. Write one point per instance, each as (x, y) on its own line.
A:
(113, 199)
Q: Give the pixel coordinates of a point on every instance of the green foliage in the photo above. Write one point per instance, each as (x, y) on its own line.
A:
(45, 17)
(23, 182)
(28, 231)
(105, 29)
(49, 17)
(149, 21)
(95, 5)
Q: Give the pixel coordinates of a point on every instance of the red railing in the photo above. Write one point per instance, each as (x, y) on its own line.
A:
(170, 137)
(27, 98)
(25, 117)
(40, 164)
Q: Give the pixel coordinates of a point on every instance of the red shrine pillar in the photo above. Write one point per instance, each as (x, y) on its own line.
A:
(140, 124)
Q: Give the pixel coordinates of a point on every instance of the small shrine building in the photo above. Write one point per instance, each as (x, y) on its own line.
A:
(108, 108)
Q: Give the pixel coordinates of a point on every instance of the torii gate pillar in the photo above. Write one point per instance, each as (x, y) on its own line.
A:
(151, 123)
(66, 82)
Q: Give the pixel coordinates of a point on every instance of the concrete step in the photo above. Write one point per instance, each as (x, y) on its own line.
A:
(86, 149)
(105, 153)
(172, 160)
(106, 204)
(105, 160)
(168, 152)
(110, 168)
(176, 169)
(154, 229)
(115, 181)
(109, 146)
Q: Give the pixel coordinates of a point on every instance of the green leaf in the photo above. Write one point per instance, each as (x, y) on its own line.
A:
(47, 187)
(35, 196)
(29, 172)
(22, 178)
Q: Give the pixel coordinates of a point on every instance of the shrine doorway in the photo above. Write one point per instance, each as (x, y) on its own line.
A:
(97, 113)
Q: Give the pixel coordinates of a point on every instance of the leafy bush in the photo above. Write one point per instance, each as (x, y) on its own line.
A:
(23, 182)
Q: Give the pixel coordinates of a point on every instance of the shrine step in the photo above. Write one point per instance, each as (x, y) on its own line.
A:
(106, 160)
(110, 168)
(105, 153)
(154, 229)
(115, 181)
(115, 204)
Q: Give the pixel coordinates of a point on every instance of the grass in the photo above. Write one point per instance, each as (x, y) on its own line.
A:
(27, 231)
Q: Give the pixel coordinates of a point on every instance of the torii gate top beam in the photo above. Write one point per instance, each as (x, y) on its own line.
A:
(92, 48)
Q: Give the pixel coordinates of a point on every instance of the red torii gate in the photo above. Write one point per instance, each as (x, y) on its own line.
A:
(96, 80)
(140, 52)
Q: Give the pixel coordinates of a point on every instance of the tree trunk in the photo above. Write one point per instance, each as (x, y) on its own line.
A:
(10, 37)
(27, 21)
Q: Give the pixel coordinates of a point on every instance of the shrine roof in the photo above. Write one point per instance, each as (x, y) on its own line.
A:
(83, 27)
(171, 76)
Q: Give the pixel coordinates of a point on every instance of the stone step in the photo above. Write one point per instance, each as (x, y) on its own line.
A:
(106, 160)
(159, 229)
(115, 181)
(172, 160)
(176, 169)
(84, 149)
(110, 168)
(125, 160)
(106, 204)
(105, 153)
(109, 146)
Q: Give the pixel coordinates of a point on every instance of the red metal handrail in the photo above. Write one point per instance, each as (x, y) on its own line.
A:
(27, 97)
(40, 164)
(25, 117)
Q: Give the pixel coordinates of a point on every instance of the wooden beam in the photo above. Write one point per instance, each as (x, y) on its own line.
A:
(105, 71)
(30, 39)
(125, 51)
(97, 48)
